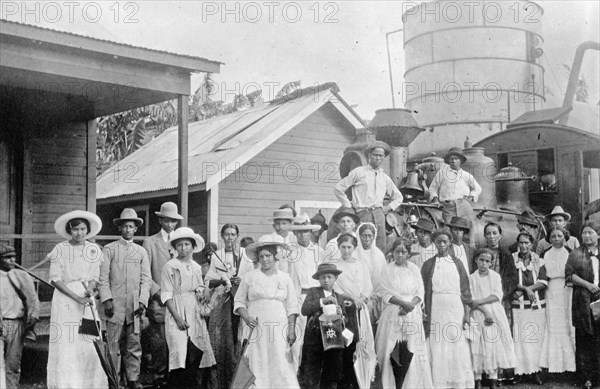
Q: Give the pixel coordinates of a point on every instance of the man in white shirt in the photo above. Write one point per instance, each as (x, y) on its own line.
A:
(282, 220)
(425, 249)
(370, 185)
(454, 188)
(301, 264)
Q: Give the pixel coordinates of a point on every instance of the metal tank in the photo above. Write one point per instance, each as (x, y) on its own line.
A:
(470, 67)
(512, 189)
(483, 169)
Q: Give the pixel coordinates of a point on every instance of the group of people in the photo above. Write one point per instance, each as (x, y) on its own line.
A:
(288, 311)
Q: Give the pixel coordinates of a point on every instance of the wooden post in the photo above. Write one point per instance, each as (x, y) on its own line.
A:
(212, 217)
(182, 189)
(91, 165)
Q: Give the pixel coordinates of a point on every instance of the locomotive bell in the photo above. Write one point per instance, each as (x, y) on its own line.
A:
(411, 186)
(512, 189)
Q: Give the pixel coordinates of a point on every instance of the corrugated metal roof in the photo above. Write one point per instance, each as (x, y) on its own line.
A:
(108, 41)
(215, 147)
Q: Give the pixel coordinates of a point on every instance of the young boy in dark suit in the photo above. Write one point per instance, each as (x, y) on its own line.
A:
(321, 368)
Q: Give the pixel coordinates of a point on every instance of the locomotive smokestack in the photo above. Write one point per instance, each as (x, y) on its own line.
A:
(398, 128)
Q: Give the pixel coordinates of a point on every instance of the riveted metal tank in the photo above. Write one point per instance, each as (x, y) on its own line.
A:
(512, 189)
(483, 169)
(470, 67)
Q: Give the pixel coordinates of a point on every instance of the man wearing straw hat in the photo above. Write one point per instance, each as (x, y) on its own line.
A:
(159, 253)
(557, 218)
(454, 188)
(370, 185)
(282, 219)
(19, 311)
(301, 264)
(124, 288)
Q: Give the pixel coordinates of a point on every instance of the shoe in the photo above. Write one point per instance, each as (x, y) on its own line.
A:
(135, 385)
(493, 384)
(477, 384)
(537, 378)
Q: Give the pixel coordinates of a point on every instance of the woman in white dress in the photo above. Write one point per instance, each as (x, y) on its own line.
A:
(74, 272)
(494, 348)
(267, 302)
(529, 309)
(401, 291)
(558, 350)
(375, 260)
(354, 285)
(447, 299)
(185, 328)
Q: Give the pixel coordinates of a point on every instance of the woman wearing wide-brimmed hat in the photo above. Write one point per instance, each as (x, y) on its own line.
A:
(181, 289)
(74, 272)
(267, 302)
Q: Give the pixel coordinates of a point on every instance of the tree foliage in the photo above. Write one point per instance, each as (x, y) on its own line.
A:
(121, 134)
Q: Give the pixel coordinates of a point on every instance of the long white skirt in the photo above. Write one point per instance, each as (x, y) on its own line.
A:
(268, 346)
(72, 358)
(451, 364)
(393, 328)
(558, 350)
(528, 334)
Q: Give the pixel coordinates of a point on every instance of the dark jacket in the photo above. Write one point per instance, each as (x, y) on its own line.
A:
(427, 273)
(311, 308)
(580, 263)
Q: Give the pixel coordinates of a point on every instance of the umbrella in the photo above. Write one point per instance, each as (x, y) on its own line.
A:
(106, 359)
(243, 377)
(400, 358)
(365, 358)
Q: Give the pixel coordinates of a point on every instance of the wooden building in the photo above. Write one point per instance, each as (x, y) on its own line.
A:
(53, 85)
(242, 166)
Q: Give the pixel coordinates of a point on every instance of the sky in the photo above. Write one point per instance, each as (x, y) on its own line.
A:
(266, 44)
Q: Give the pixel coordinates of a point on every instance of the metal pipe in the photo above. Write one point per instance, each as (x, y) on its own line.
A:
(574, 76)
(387, 43)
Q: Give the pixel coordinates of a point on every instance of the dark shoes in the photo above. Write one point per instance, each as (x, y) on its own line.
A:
(538, 378)
(477, 384)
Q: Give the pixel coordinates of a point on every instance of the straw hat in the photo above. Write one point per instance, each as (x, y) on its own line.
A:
(128, 214)
(253, 248)
(302, 223)
(169, 210)
(284, 213)
(455, 151)
(60, 225)
(558, 211)
(187, 233)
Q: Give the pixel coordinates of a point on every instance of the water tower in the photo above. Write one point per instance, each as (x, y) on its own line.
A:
(471, 67)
